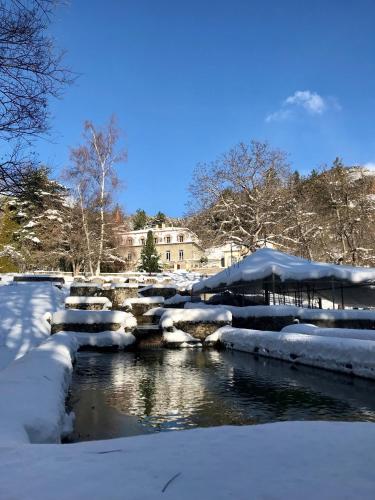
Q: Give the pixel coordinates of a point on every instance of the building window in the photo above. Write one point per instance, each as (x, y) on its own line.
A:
(168, 255)
(130, 256)
(167, 239)
(129, 241)
(142, 241)
(180, 238)
(180, 255)
(155, 241)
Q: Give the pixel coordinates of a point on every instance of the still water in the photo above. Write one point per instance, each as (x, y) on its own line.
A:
(129, 393)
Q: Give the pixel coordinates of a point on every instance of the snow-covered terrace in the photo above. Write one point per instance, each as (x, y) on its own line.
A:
(277, 272)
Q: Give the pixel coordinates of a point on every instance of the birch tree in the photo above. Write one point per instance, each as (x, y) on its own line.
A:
(94, 178)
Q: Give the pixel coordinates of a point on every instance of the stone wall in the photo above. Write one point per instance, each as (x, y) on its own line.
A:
(83, 327)
(85, 291)
(199, 330)
(117, 295)
(86, 307)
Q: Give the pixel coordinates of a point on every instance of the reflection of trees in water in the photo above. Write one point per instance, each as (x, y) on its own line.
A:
(174, 389)
(310, 392)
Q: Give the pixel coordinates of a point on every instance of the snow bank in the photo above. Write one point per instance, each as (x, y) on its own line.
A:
(23, 323)
(343, 333)
(266, 261)
(88, 300)
(119, 338)
(339, 354)
(33, 391)
(179, 337)
(173, 316)
(260, 461)
(177, 299)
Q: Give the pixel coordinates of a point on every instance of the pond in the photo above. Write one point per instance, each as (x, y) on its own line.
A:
(129, 393)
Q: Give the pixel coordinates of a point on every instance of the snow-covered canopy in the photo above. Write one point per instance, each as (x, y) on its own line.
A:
(267, 266)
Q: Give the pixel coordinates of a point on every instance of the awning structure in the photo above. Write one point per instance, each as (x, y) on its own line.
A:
(274, 273)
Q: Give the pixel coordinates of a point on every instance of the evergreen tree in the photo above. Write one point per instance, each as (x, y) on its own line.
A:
(140, 219)
(159, 219)
(149, 257)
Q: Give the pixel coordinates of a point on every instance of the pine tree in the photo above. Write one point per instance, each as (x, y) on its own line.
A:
(140, 219)
(149, 257)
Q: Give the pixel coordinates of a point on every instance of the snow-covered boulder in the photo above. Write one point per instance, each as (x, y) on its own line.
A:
(178, 338)
(118, 292)
(91, 321)
(198, 322)
(352, 356)
(88, 303)
(342, 333)
(140, 305)
(177, 300)
(119, 339)
(163, 290)
(85, 289)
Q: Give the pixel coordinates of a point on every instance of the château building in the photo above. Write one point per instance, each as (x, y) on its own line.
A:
(178, 247)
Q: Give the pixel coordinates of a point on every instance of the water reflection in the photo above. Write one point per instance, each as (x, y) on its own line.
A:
(130, 393)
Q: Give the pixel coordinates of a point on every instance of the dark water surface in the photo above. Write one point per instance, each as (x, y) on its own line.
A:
(129, 393)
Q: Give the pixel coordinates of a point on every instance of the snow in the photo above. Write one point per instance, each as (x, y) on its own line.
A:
(177, 299)
(266, 261)
(166, 286)
(178, 336)
(339, 354)
(78, 317)
(156, 311)
(34, 388)
(88, 300)
(142, 300)
(172, 316)
(344, 333)
(287, 460)
(78, 284)
(119, 338)
(24, 322)
(301, 313)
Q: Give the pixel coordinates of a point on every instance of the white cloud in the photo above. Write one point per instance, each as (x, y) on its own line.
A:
(370, 165)
(311, 101)
(306, 100)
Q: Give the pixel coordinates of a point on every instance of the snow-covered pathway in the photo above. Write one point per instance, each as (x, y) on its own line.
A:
(23, 325)
(291, 460)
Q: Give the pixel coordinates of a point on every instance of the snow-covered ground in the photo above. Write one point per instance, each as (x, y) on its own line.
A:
(291, 460)
(23, 323)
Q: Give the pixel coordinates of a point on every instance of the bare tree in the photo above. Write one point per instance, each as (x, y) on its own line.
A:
(94, 178)
(31, 72)
(240, 195)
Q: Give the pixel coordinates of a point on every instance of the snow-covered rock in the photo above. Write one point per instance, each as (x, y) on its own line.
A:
(180, 338)
(118, 339)
(87, 302)
(343, 333)
(210, 315)
(345, 355)
(92, 320)
(177, 300)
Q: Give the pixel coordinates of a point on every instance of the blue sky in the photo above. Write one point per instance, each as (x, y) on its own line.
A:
(187, 80)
